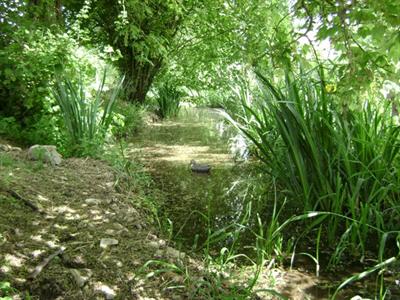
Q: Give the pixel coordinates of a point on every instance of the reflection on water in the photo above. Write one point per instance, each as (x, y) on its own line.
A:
(196, 201)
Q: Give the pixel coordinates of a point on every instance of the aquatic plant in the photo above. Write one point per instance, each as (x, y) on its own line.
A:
(331, 160)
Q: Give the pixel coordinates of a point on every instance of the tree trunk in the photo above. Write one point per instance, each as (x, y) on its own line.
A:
(57, 8)
(139, 77)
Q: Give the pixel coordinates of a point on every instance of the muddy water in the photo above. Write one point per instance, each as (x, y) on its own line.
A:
(195, 203)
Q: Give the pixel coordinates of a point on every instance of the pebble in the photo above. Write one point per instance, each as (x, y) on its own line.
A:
(154, 244)
(108, 292)
(138, 226)
(78, 278)
(110, 231)
(8, 148)
(173, 253)
(118, 226)
(105, 242)
(92, 201)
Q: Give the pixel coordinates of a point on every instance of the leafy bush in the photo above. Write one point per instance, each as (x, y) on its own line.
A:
(9, 126)
(6, 290)
(29, 64)
(127, 119)
(86, 124)
(168, 101)
(343, 162)
(26, 68)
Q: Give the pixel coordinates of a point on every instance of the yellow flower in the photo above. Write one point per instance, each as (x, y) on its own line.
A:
(330, 88)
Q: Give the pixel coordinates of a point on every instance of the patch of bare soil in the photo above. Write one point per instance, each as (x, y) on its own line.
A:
(80, 238)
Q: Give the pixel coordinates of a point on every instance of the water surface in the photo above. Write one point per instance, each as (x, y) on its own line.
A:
(198, 203)
(195, 202)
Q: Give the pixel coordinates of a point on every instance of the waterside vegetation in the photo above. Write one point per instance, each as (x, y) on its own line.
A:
(306, 93)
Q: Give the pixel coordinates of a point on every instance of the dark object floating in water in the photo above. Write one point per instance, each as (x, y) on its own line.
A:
(199, 168)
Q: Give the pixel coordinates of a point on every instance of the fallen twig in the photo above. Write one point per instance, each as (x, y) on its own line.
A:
(27, 202)
(44, 263)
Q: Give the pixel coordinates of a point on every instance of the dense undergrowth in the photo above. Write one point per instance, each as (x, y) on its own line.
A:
(329, 149)
(337, 166)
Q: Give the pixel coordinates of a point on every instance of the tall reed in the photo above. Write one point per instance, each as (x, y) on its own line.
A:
(86, 119)
(328, 158)
(168, 101)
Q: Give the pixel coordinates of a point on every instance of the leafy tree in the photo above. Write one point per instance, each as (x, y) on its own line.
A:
(223, 39)
(191, 40)
(365, 34)
(141, 31)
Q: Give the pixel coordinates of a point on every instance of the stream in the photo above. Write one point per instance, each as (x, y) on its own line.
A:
(196, 204)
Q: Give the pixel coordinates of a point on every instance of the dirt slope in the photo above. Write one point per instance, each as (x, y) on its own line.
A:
(78, 206)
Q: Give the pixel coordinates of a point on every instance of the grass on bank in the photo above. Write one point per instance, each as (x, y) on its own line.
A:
(338, 163)
(343, 162)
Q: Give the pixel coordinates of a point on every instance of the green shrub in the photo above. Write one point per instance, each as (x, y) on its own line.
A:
(128, 118)
(6, 290)
(168, 100)
(9, 126)
(29, 64)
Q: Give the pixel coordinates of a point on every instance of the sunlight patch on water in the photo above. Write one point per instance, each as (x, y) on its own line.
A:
(202, 135)
(181, 154)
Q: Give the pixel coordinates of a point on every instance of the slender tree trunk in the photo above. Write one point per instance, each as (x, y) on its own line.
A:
(44, 12)
(57, 8)
(139, 77)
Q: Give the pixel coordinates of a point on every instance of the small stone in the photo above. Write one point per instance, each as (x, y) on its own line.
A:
(129, 219)
(138, 226)
(154, 244)
(5, 148)
(162, 243)
(92, 201)
(45, 153)
(118, 263)
(105, 242)
(108, 292)
(132, 211)
(73, 262)
(78, 278)
(118, 226)
(110, 231)
(157, 243)
(152, 237)
(173, 253)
